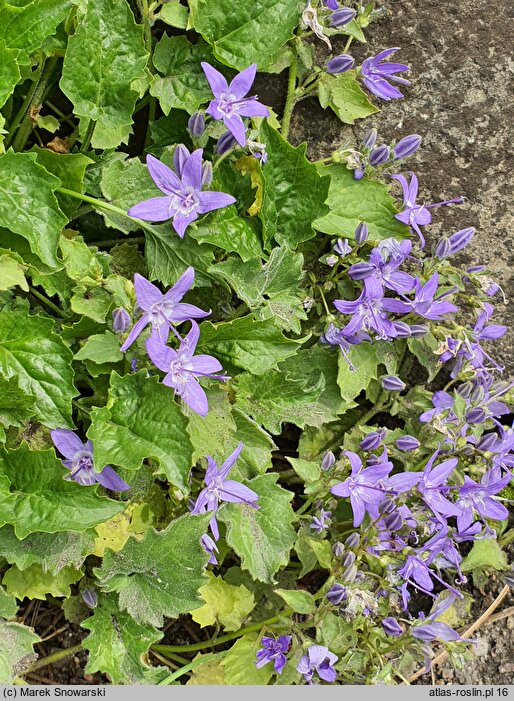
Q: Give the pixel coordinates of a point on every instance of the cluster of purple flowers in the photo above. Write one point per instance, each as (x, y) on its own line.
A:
(162, 312)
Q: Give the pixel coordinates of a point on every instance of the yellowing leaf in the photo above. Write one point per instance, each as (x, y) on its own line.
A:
(210, 673)
(250, 165)
(33, 583)
(112, 534)
(224, 603)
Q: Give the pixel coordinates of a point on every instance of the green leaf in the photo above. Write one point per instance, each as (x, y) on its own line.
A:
(258, 443)
(312, 552)
(294, 192)
(16, 653)
(28, 205)
(485, 553)
(34, 583)
(34, 496)
(8, 605)
(37, 357)
(352, 201)
(167, 256)
(104, 57)
(52, 551)
(9, 71)
(344, 95)
(118, 646)
(70, 168)
(247, 32)
(141, 420)
(224, 603)
(213, 434)
(230, 232)
(15, 404)
(24, 25)
(183, 84)
(256, 346)
(161, 575)
(209, 673)
(239, 663)
(424, 351)
(101, 348)
(300, 601)
(174, 14)
(262, 537)
(13, 271)
(272, 288)
(366, 359)
(280, 396)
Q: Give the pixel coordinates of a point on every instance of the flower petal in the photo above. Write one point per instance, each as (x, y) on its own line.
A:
(154, 209)
(147, 293)
(236, 492)
(216, 80)
(213, 200)
(237, 128)
(242, 83)
(183, 285)
(165, 179)
(253, 108)
(192, 170)
(181, 222)
(195, 397)
(225, 468)
(66, 442)
(110, 479)
(134, 332)
(205, 364)
(161, 356)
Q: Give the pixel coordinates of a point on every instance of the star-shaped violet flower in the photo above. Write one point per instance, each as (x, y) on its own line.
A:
(183, 200)
(318, 659)
(275, 650)
(230, 103)
(162, 310)
(218, 488)
(182, 368)
(376, 74)
(80, 463)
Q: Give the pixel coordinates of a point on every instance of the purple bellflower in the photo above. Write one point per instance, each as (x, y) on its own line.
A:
(340, 64)
(416, 573)
(342, 247)
(275, 650)
(375, 75)
(341, 16)
(230, 103)
(336, 594)
(480, 498)
(437, 631)
(318, 659)
(210, 548)
(363, 486)
(416, 215)
(407, 146)
(392, 627)
(162, 310)
(182, 368)
(383, 266)
(218, 488)
(342, 338)
(120, 320)
(321, 522)
(369, 312)
(424, 303)
(183, 200)
(80, 463)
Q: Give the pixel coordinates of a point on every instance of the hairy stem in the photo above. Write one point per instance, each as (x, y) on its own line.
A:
(291, 95)
(47, 302)
(86, 141)
(55, 657)
(188, 667)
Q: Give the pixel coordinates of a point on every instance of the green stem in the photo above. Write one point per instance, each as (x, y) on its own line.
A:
(62, 116)
(188, 667)
(25, 106)
(379, 405)
(348, 44)
(109, 243)
(165, 649)
(220, 160)
(47, 302)
(145, 21)
(38, 97)
(151, 118)
(102, 205)
(291, 95)
(55, 657)
(88, 136)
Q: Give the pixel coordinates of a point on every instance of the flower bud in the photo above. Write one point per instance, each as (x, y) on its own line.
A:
(338, 549)
(386, 505)
(331, 261)
(180, 156)
(340, 64)
(392, 627)
(371, 441)
(349, 574)
(380, 155)
(120, 320)
(358, 173)
(393, 522)
(407, 443)
(359, 271)
(336, 594)
(477, 395)
(328, 460)
(196, 124)
(90, 598)
(454, 243)
(418, 330)
(340, 17)
(206, 173)
(342, 247)
(487, 441)
(361, 233)
(442, 249)
(349, 559)
(393, 383)
(225, 143)
(476, 416)
(402, 329)
(464, 390)
(370, 138)
(353, 540)
(332, 4)
(407, 146)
